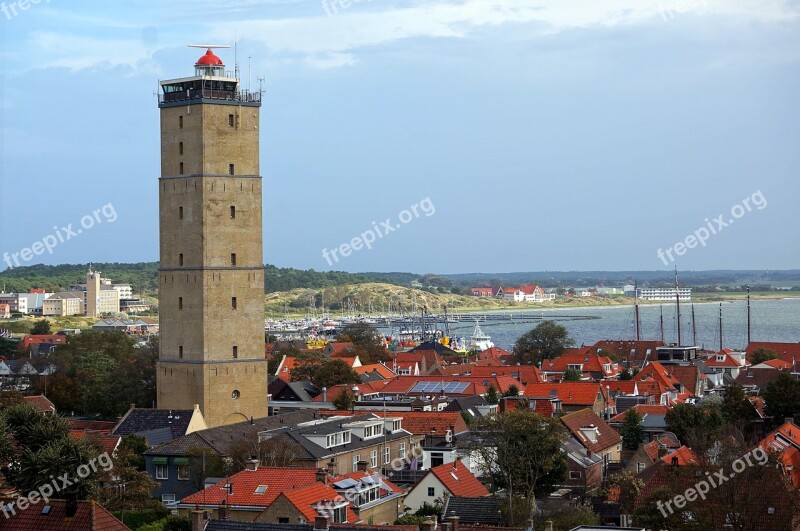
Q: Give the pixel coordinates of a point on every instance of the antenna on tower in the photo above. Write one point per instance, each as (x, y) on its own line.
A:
(235, 56)
(261, 85)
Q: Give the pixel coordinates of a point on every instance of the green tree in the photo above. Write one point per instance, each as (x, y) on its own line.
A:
(512, 390)
(737, 409)
(41, 328)
(697, 426)
(625, 375)
(335, 372)
(782, 398)
(366, 340)
(102, 374)
(519, 451)
(343, 401)
(760, 355)
(9, 349)
(547, 341)
(632, 430)
(492, 397)
(572, 375)
(125, 487)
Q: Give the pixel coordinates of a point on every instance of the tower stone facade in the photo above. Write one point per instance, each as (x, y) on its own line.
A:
(211, 279)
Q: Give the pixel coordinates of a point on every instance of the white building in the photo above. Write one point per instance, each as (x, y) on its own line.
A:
(664, 294)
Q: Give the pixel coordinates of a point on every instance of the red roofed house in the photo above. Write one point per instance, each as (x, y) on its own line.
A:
(785, 442)
(573, 396)
(727, 362)
(377, 369)
(304, 504)
(594, 434)
(591, 366)
(249, 492)
(669, 386)
(482, 292)
(525, 374)
(61, 515)
(35, 345)
(635, 353)
(528, 293)
(788, 352)
(41, 403)
(494, 353)
(441, 482)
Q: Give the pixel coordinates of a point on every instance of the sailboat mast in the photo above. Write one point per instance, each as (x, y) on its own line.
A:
(694, 328)
(638, 321)
(661, 306)
(678, 306)
(720, 326)
(748, 315)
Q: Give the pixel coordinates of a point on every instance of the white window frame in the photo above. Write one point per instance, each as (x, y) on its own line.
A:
(164, 469)
(373, 458)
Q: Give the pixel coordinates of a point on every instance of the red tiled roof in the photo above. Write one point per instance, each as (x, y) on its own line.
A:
(784, 351)
(682, 456)
(778, 364)
(524, 373)
(657, 372)
(41, 403)
(629, 350)
(340, 348)
(306, 498)
(43, 339)
(494, 352)
(459, 480)
(460, 369)
(90, 516)
(590, 362)
(101, 438)
(365, 388)
(644, 410)
(688, 375)
(489, 362)
(570, 393)
(380, 368)
(606, 436)
(244, 484)
(94, 425)
(727, 361)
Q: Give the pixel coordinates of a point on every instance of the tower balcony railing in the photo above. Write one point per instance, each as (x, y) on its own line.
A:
(244, 96)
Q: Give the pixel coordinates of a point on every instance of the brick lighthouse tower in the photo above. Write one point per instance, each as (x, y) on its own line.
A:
(211, 279)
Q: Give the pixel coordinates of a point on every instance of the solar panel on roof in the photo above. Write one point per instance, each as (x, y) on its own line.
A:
(345, 483)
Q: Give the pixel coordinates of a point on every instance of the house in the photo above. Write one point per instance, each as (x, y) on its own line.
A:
(450, 386)
(628, 353)
(756, 378)
(594, 434)
(482, 292)
(441, 482)
(64, 304)
(648, 454)
(727, 362)
(304, 504)
(374, 371)
(669, 386)
(573, 396)
(653, 419)
(58, 515)
(526, 293)
(171, 463)
(788, 352)
(784, 441)
(160, 425)
(281, 390)
(5, 311)
(485, 511)
(524, 374)
(426, 360)
(34, 345)
(591, 366)
(584, 467)
(41, 403)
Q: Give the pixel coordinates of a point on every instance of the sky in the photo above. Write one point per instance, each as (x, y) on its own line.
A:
(422, 136)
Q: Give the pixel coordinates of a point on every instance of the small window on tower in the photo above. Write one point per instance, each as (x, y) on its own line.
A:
(180, 259)
(180, 148)
(233, 212)
(233, 259)
(180, 122)
(181, 168)
(180, 351)
(230, 120)
(231, 169)
(180, 212)
(235, 352)
(233, 303)
(180, 303)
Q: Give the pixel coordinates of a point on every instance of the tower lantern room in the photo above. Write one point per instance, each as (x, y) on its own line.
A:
(209, 65)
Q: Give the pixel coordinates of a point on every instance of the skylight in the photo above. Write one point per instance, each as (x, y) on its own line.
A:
(261, 489)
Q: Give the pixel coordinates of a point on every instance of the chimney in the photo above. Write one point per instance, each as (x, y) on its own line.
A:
(197, 520)
(322, 476)
(428, 525)
(548, 525)
(453, 520)
(362, 466)
(788, 420)
(321, 522)
(324, 394)
(252, 464)
(71, 505)
(223, 511)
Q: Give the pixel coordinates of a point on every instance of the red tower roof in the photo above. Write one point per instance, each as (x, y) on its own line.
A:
(209, 59)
